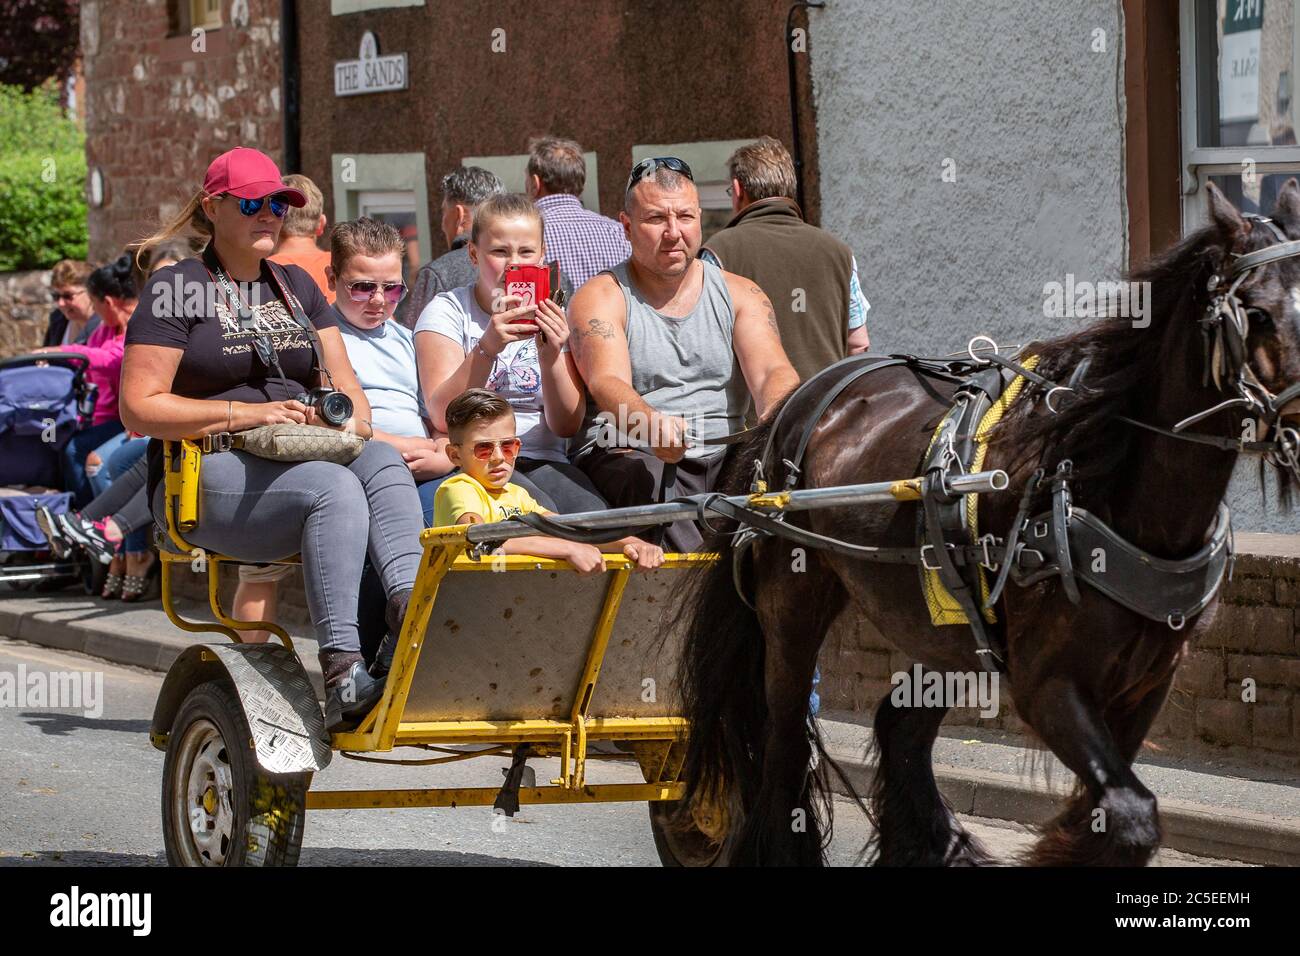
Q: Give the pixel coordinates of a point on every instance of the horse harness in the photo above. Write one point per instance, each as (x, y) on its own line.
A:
(1062, 542)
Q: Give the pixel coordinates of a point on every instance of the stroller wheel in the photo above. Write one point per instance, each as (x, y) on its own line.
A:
(92, 576)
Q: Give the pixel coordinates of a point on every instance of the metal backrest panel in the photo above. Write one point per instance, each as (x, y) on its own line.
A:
(639, 674)
(512, 646)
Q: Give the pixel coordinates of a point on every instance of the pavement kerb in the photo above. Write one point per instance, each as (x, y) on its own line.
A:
(1197, 829)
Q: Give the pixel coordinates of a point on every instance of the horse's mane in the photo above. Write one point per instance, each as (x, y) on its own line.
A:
(1123, 365)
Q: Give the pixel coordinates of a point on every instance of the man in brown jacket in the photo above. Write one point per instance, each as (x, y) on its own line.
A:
(809, 275)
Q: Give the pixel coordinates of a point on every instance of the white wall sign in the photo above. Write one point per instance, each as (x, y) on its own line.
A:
(371, 73)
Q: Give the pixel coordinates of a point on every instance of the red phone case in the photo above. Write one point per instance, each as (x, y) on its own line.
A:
(531, 283)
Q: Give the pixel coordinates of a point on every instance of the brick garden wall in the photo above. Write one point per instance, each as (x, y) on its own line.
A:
(1254, 636)
(25, 306)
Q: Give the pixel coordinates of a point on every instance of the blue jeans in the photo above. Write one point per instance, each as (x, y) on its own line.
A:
(100, 481)
(426, 491)
(80, 445)
(119, 463)
(258, 511)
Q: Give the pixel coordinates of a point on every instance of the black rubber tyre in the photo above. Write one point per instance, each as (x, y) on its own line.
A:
(93, 574)
(680, 841)
(219, 808)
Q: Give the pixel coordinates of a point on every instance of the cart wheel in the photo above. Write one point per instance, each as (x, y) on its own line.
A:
(93, 574)
(695, 838)
(219, 807)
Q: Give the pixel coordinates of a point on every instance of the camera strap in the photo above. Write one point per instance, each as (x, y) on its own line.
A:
(300, 316)
(246, 317)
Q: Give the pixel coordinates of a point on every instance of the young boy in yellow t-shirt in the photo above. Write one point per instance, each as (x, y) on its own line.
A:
(481, 429)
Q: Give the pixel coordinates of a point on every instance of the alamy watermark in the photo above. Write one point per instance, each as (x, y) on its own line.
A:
(1074, 299)
(635, 429)
(927, 688)
(53, 690)
(74, 909)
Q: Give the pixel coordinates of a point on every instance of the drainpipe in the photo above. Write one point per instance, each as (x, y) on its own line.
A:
(794, 94)
(289, 87)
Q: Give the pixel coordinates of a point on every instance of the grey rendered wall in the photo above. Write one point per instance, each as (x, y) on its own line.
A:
(1032, 122)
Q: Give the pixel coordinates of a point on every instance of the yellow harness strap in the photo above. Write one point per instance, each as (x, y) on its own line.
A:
(944, 608)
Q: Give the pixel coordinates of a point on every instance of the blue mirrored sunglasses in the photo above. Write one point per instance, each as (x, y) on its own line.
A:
(251, 207)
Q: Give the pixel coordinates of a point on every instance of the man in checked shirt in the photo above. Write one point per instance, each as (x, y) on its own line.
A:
(582, 242)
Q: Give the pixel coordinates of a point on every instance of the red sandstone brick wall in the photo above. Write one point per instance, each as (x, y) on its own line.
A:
(157, 112)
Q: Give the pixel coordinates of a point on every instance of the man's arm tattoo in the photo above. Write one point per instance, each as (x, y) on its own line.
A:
(767, 303)
(771, 319)
(599, 327)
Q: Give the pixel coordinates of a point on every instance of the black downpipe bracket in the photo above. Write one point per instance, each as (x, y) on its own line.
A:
(794, 95)
(290, 80)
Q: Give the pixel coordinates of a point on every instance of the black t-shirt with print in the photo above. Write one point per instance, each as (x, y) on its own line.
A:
(181, 307)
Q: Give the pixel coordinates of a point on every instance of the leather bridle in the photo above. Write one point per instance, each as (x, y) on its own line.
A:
(1225, 328)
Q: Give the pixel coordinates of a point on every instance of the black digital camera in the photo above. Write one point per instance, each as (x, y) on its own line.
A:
(333, 406)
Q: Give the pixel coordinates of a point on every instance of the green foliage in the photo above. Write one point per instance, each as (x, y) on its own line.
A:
(42, 181)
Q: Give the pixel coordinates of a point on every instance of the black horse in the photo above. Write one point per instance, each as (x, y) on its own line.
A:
(1087, 679)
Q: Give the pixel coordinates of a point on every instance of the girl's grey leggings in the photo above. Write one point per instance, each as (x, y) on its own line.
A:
(258, 510)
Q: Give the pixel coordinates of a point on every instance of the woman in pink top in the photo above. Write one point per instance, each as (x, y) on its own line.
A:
(113, 293)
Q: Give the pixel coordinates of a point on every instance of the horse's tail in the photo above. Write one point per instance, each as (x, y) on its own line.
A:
(720, 674)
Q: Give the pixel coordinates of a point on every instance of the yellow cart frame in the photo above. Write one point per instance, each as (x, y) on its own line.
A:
(656, 743)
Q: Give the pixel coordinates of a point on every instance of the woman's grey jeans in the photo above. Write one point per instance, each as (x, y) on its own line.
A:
(258, 510)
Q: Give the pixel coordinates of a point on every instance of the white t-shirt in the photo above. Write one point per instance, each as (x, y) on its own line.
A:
(384, 360)
(516, 373)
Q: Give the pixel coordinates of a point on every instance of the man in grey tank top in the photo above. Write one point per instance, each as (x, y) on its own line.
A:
(672, 350)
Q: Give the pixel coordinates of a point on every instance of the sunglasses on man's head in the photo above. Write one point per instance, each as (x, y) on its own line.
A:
(251, 207)
(363, 289)
(647, 167)
(509, 448)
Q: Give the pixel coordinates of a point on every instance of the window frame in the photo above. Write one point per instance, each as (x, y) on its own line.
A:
(1201, 162)
(378, 173)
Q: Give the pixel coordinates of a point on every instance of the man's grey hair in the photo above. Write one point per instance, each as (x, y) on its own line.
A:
(664, 178)
(470, 185)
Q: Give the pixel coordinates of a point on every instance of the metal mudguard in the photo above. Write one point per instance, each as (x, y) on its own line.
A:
(279, 702)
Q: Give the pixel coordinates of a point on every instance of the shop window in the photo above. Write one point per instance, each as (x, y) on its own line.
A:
(708, 162)
(389, 187)
(1240, 61)
(397, 208)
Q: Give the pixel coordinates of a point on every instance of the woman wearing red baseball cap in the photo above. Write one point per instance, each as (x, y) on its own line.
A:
(223, 343)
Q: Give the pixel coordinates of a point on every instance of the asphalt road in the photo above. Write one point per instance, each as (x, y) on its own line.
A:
(84, 790)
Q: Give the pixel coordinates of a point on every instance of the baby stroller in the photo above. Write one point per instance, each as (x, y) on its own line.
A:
(44, 399)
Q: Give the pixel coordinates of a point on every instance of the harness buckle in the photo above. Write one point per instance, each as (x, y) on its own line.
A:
(926, 564)
(984, 542)
(1176, 620)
